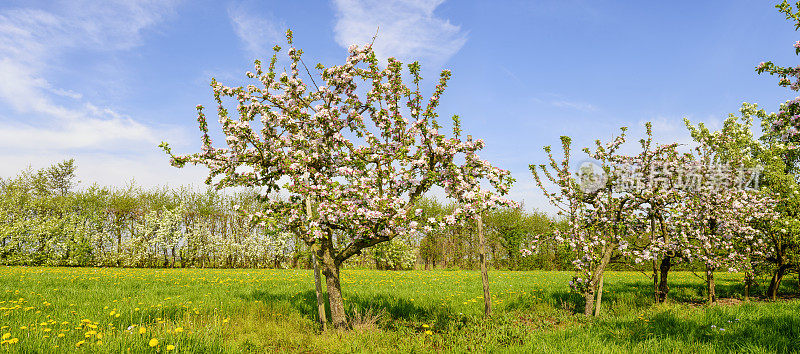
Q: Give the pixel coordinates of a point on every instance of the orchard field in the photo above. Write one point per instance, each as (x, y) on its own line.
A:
(346, 213)
(222, 310)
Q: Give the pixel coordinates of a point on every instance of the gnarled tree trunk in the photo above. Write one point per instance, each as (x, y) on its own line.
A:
(711, 286)
(663, 288)
(775, 282)
(330, 268)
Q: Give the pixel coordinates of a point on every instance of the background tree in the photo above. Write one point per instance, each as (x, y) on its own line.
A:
(597, 216)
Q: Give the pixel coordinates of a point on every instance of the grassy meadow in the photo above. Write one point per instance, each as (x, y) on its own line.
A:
(246, 310)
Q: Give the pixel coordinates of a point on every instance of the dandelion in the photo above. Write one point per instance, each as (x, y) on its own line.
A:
(80, 343)
(6, 336)
(142, 330)
(179, 330)
(428, 332)
(153, 342)
(61, 335)
(170, 347)
(10, 341)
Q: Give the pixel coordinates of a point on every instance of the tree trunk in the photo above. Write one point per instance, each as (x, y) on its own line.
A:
(487, 298)
(318, 288)
(663, 287)
(119, 247)
(711, 287)
(775, 283)
(317, 283)
(331, 271)
(588, 295)
(335, 301)
(656, 295)
(748, 282)
(599, 297)
(596, 283)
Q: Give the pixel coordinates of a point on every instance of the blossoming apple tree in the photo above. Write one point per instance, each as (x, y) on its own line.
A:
(782, 163)
(354, 138)
(596, 215)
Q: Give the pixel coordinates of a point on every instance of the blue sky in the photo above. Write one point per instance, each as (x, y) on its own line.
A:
(105, 82)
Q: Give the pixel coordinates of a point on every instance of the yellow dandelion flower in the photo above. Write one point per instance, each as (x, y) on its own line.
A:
(61, 335)
(23, 327)
(153, 342)
(142, 330)
(80, 343)
(6, 336)
(428, 332)
(179, 330)
(46, 330)
(425, 326)
(170, 347)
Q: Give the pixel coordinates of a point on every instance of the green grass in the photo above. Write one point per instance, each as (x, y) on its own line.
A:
(273, 310)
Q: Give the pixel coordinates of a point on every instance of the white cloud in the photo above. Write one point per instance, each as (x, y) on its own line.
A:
(85, 133)
(110, 169)
(258, 33)
(409, 29)
(42, 123)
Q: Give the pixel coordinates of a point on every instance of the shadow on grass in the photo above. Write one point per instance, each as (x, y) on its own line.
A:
(397, 308)
(764, 332)
(622, 298)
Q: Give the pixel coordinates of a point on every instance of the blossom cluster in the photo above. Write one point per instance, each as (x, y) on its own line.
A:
(355, 139)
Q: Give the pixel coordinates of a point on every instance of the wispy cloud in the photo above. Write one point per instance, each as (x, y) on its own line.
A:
(580, 106)
(38, 118)
(562, 102)
(408, 29)
(258, 33)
